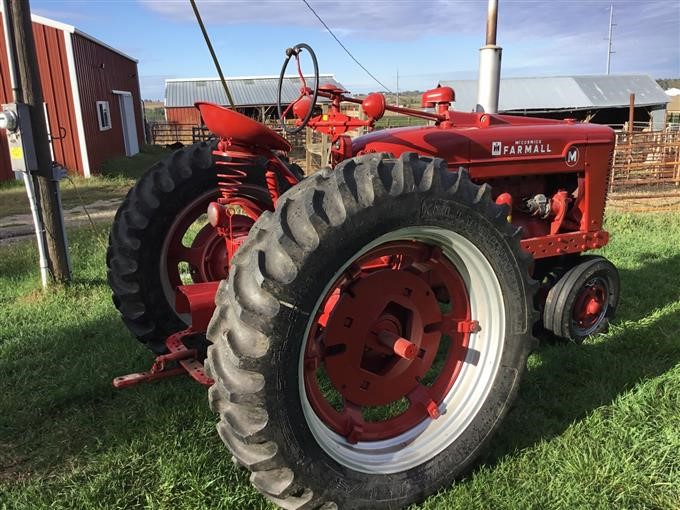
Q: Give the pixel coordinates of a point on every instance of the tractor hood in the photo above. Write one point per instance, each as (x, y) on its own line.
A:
(485, 140)
(449, 144)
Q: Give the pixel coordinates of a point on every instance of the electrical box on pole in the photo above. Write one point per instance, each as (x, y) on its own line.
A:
(16, 119)
(28, 139)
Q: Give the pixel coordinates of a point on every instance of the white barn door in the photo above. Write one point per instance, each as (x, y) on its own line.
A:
(127, 117)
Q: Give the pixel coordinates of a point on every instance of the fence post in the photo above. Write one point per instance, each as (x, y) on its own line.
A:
(308, 151)
(675, 136)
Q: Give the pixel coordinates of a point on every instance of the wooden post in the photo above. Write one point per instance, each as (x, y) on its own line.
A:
(631, 123)
(19, 16)
(674, 137)
(324, 143)
(308, 152)
(631, 114)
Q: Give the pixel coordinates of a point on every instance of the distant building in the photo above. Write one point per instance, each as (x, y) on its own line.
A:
(601, 99)
(92, 99)
(254, 96)
(673, 117)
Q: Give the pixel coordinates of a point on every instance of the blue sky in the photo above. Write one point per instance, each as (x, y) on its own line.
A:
(424, 40)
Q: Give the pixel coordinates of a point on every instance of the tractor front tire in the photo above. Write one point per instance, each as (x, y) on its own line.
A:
(584, 300)
(369, 245)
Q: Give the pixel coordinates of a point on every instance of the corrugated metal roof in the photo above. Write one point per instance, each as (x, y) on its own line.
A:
(563, 92)
(248, 91)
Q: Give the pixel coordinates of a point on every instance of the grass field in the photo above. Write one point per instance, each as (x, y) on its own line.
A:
(118, 175)
(397, 121)
(596, 426)
(133, 167)
(73, 193)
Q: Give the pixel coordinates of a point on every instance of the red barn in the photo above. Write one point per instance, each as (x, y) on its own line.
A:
(92, 99)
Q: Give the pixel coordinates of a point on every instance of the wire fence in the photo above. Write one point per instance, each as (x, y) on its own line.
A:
(646, 171)
(646, 162)
(165, 133)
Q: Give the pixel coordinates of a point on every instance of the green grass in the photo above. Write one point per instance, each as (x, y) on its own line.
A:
(74, 192)
(595, 426)
(133, 167)
(397, 121)
(118, 175)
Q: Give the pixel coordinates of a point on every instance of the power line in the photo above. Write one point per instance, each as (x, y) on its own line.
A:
(345, 48)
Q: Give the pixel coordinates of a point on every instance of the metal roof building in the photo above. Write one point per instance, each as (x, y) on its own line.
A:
(578, 96)
(251, 94)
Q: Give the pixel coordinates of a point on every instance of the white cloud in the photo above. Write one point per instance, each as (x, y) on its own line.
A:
(560, 36)
(382, 19)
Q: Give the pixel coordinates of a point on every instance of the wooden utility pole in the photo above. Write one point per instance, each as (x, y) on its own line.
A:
(30, 93)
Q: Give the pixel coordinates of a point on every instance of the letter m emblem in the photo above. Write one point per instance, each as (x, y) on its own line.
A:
(572, 156)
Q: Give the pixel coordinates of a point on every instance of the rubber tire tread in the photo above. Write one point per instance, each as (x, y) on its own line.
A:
(250, 306)
(559, 302)
(146, 213)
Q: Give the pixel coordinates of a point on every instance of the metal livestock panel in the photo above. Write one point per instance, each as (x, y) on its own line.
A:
(100, 71)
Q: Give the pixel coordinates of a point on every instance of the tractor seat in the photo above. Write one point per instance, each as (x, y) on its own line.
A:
(331, 89)
(242, 130)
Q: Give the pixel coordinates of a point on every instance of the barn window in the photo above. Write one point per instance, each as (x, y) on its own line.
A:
(103, 115)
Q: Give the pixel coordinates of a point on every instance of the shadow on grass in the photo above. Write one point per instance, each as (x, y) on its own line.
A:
(68, 439)
(65, 408)
(90, 282)
(23, 259)
(568, 381)
(64, 402)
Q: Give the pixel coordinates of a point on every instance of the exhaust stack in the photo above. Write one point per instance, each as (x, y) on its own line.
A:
(489, 64)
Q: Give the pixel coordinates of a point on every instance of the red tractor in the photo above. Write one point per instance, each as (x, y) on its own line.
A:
(367, 326)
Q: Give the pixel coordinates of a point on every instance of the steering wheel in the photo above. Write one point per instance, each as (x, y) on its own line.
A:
(305, 91)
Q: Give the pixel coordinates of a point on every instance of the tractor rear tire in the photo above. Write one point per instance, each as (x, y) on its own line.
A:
(277, 287)
(140, 228)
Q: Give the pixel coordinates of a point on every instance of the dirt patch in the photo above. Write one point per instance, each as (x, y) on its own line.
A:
(20, 226)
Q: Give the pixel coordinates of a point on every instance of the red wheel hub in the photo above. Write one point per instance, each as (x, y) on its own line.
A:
(207, 254)
(590, 304)
(381, 339)
(387, 303)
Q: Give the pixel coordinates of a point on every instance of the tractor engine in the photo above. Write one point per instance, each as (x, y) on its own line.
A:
(553, 175)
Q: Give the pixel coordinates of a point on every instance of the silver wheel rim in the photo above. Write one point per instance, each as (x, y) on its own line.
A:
(471, 388)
